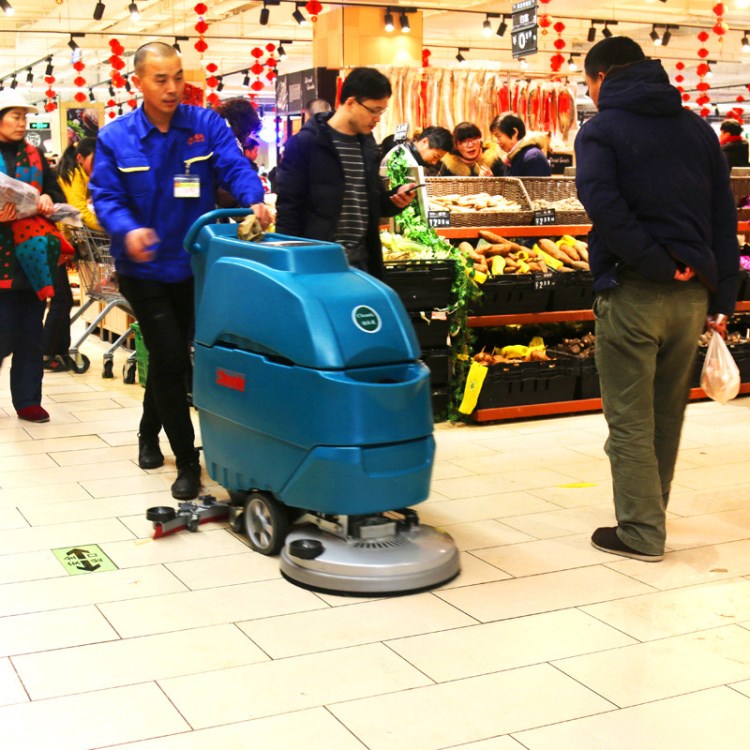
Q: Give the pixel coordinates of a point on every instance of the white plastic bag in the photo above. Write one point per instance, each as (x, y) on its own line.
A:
(720, 377)
(22, 195)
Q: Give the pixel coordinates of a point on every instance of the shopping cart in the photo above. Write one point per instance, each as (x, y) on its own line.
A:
(96, 271)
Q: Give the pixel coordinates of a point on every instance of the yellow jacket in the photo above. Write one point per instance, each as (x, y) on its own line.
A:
(77, 194)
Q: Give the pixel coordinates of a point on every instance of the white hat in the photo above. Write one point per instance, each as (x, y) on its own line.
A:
(10, 98)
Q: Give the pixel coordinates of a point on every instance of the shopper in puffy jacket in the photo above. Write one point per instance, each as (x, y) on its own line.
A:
(471, 157)
(156, 172)
(329, 187)
(664, 255)
(427, 148)
(525, 152)
(30, 250)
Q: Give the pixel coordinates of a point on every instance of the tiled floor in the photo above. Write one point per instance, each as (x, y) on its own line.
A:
(542, 642)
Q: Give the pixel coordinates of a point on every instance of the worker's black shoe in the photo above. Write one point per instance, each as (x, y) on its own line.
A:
(187, 486)
(149, 453)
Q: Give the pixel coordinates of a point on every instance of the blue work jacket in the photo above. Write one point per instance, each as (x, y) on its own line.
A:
(132, 184)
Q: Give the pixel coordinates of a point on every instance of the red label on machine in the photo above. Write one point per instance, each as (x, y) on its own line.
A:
(233, 380)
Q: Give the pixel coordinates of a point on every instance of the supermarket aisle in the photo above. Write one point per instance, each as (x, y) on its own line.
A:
(543, 643)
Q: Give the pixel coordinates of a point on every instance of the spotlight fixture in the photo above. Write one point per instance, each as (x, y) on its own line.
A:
(665, 37)
(72, 43)
(6, 7)
(592, 32)
(13, 81)
(572, 67)
(745, 42)
(220, 84)
(133, 10)
(487, 27)
(502, 28)
(606, 31)
(99, 11)
(281, 50)
(92, 98)
(709, 74)
(523, 64)
(403, 19)
(655, 38)
(265, 14)
(246, 79)
(389, 20)
(111, 89)
(298, 16)
(29, 76)
(128, 87)
(176, 44)
(50, 69)
(459, 57)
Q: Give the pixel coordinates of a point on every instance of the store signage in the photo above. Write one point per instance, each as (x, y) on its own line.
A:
(544, 280)
(366, 319)
(544, 217)
(439, 218)
(523, 37)
(401, 132)
(39, 125)
(558, 162)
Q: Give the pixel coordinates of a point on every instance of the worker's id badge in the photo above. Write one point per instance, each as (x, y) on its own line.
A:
(187, 186)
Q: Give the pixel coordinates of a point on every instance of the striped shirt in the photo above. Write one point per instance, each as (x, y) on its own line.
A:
(353, 220)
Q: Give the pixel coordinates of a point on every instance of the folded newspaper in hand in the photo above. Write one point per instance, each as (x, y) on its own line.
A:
(26, 198)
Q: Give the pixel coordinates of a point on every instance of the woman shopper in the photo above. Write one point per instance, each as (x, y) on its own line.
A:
(525, 151)
(29, 252)
(470, 156)
(73, 172)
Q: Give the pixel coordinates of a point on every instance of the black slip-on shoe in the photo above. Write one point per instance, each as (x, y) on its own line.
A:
(605, 539)
(149, 453)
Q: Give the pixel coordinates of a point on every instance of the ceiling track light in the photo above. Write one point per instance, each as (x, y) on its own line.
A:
(111, 89)
(388, 20)
(246, 79)
(281, 50)
(655, 38)
(665, 37)
(592, 32)
(176, 45)
(13, 81)
(265, 14)
(487, 26)
(92, 98)
(29, 76)
(745, 42)
(606, 31)
(50, 69)
(523, 64)
(98, 11)
(403, 19)
(72, 41)
(133, 10)
(220, 84)
(503, 27)
(460, 57)
(572, 67)
(298, 15)
(7, 7)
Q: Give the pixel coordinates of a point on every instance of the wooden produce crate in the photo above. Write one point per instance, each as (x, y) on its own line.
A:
(510, 188)
(555, 189)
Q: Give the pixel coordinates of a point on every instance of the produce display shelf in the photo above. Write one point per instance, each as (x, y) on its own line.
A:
(562, 407)
(547, 230)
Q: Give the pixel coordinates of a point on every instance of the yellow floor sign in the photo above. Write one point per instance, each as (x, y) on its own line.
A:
(83, 559)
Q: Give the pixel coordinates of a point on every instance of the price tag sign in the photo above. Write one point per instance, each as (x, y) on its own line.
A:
(544, 217)
(523, 37)
(544, 280)
(400, 132)
(439, 218)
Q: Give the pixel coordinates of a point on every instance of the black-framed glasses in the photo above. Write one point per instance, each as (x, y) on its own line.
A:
(376, 112)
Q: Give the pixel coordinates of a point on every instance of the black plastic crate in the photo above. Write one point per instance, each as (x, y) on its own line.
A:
(432, 329)
(503, 295)
(440, 365)
(522, 383)
(573, 291)
(589, 386)
(421, 284)
(441, 399)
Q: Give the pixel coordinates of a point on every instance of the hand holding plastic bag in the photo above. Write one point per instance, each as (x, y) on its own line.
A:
(720, 377)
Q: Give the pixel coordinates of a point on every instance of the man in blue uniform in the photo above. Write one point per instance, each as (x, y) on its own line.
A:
(664, 257)
(156, 172)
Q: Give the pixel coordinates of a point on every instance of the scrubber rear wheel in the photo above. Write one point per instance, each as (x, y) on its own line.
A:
(266, 523)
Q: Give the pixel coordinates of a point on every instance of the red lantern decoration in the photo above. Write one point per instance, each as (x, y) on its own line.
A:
(679, 79)
(313, 7)
(256, 69)
(271, 62)
(271, 75)
(680, 66)
(79, 96)
(212, 67)
(256, 52)
(270, 47)
(703, 36)
(201, 46)
(256, 85)
(740, 98)
(201, 27)
(201, 9)
(559, 27)
(703, 53)
(686, 97)
(705, 112)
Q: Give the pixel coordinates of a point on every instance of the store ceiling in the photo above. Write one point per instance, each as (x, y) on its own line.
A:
(39, 28)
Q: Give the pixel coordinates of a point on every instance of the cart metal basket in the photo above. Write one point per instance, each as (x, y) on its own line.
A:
(96, 271)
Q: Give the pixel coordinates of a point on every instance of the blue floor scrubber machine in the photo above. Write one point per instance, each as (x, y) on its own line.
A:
(315, 412)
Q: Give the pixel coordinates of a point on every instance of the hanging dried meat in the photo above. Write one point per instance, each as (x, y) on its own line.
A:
(566, 112)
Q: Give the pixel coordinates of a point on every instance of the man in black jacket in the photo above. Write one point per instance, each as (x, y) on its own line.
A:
(328, 183)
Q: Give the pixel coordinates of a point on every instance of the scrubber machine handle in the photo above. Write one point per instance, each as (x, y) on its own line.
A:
(212, 217)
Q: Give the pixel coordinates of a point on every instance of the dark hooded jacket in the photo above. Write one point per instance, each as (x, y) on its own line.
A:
(652, 178)
(311, 188)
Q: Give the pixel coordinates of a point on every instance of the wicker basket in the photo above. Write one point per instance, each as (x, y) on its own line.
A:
(510, 188)
(555, 189)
